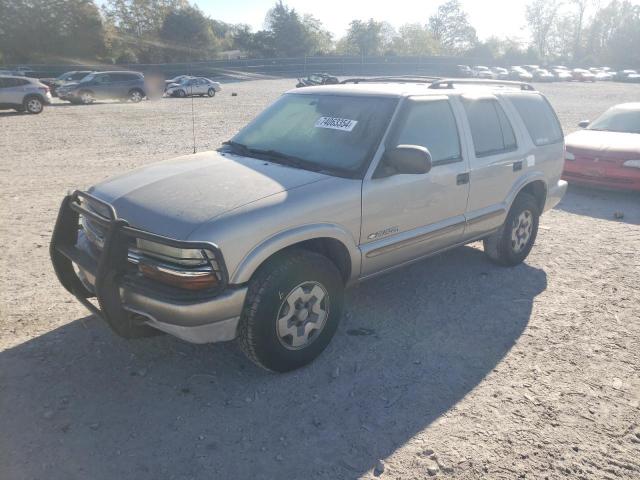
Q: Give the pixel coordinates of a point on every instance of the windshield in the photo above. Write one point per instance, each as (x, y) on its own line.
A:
(88, 78)
(335, 133)
(618, 120)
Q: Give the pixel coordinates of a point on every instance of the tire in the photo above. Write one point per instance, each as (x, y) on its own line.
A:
(511, 244)
(211, 92)
(33, 104)
(136, 95)
(292, 292)
(181, 93)
(86, 97)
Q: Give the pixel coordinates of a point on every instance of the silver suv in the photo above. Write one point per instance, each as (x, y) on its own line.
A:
(23, 94)
(327, 187)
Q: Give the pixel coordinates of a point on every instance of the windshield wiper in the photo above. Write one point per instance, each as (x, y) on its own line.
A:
(273, 155)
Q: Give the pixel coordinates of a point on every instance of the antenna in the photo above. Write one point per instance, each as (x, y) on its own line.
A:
(193, 113)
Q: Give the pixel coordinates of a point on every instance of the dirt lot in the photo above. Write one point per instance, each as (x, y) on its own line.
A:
(452, 367)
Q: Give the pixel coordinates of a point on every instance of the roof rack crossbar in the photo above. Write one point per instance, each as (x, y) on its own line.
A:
(394, 79)
(451, 82)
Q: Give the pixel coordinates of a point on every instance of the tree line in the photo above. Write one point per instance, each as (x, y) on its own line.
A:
(166, 31)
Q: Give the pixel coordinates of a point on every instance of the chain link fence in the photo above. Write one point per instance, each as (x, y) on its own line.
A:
(278, 67)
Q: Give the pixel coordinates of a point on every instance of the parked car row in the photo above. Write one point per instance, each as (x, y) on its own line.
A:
(556, 73)
(25, 94)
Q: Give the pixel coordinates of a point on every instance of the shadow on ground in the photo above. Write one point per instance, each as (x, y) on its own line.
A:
(79, 402)
(601, 203)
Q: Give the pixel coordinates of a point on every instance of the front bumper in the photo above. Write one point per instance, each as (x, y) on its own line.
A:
(123, 295)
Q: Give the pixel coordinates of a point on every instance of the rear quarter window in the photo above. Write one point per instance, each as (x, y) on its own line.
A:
(539, 118)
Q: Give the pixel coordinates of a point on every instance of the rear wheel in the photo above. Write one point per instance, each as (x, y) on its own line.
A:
(211, 92)
(33, 104)
(86, 97)
(511, 244)
(292, 310)
(136, 96)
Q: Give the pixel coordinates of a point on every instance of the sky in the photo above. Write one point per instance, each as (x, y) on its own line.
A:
(502, 18)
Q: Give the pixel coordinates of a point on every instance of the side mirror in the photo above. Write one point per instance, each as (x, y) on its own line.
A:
(584, 123)
(407, 159)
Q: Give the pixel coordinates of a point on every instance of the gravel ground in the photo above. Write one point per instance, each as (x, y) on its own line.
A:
(452, 367)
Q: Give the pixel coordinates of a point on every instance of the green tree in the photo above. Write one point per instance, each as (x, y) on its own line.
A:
(614, 34)
(187, 29)
(414, 39)
(41, 29)
(290, 38)
(319, 40)
(364, 38)
(541, 17)
(450, 27)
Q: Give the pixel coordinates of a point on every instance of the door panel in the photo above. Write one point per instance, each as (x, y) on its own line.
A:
(407, 216)
(13, 92)
(404, 216)
(495, 163)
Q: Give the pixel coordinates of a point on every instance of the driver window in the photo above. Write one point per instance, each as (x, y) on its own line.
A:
(431, 124)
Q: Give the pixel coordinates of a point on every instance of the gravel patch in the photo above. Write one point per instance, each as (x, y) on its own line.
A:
(464, 369)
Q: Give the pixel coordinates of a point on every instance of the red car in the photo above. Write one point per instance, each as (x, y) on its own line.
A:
(607, 152)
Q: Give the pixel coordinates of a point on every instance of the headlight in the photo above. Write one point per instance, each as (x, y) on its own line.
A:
(191, 269)
(569, 156)
(632, 163)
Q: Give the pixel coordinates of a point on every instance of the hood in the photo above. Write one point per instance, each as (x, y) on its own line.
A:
(174, 197)
(173, 85)
(596, 141)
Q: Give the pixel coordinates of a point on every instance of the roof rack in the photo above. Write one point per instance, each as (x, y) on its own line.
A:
(451, 82)
(394, 79)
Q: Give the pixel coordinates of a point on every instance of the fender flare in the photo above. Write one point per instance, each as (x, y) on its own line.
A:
(286, 238)
(522, 183)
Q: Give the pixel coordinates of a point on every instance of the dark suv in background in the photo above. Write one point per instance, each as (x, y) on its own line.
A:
(105, 85)
(68, 77)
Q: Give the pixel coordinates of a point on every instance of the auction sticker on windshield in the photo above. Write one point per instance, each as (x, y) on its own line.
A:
(335, 123)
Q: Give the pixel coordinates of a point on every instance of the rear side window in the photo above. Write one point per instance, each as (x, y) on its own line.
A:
(431, 124)
(490, 128)
(539, 118)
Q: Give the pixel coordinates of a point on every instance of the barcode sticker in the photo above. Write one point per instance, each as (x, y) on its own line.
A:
(335, 123)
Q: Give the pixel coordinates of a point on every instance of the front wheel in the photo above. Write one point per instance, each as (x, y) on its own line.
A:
(292, 311)
(511, 244)
(211, 92)
(181, 93)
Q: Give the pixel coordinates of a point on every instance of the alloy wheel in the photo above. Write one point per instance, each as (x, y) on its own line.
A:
(521, 231)
(302, 315)
(34, 105)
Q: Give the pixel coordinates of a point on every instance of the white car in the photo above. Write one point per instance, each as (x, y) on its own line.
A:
(23, 94)
(193, 86)
(480, 71)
